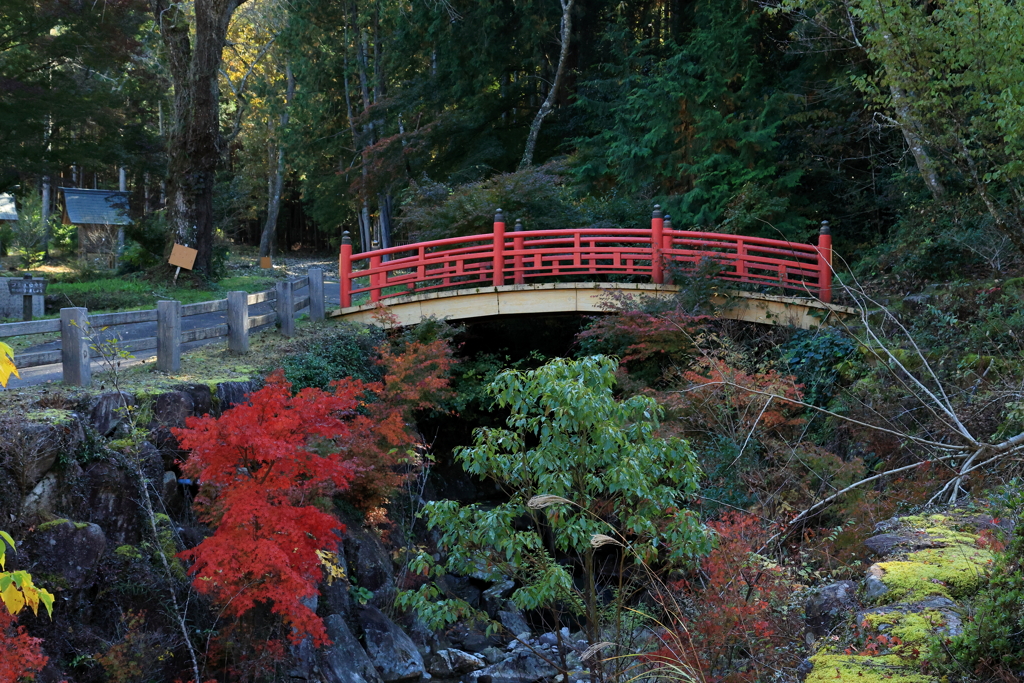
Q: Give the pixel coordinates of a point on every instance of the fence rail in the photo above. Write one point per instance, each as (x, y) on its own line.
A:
(85, 336)
(503, 258)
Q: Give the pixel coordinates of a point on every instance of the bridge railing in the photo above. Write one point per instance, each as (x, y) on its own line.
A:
(515, 257)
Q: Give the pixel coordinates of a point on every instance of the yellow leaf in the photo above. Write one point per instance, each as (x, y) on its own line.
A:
(32, 599)
(13, 598)
(46, 597)
(7, 367)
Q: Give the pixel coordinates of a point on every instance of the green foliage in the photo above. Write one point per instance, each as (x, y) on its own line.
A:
(695, 120)
(535, 195)
(814, 356)
(602, 470)
(28, 233)
(146, 243)
(348, 352)
(991, 646)
(971, 117)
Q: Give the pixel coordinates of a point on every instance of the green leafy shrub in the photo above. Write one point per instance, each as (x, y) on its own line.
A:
(585, 474)
(147, 243)
(348, 352)
(814, 356)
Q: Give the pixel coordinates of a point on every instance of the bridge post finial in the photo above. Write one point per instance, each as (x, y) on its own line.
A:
(499, 216)
(519, 225)
(668, 222)
(825, 262)
(657, 211)
(345, 270)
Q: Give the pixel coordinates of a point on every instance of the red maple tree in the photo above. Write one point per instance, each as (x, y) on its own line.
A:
(262, 467)
(21, 656)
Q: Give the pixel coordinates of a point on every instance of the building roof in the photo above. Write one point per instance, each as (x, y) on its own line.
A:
(104, 207)
(7, 210)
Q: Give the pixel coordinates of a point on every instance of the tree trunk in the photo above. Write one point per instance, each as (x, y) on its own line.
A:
(194, 141)
(275, 172)
(925, 165)
(549, 102)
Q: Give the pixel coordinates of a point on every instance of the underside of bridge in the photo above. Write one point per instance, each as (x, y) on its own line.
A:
(588, 298)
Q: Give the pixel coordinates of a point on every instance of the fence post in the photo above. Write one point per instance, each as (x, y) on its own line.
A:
(825, 263)
(168, 336)
(316, 293)
(345, 269)
(238, 322)
(74, 346)
(285, 308)
(657, 236)
(517, 244)
(498, 265)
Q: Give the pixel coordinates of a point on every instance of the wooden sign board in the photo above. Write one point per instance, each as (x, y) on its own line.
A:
(183, 257)
(265, 262)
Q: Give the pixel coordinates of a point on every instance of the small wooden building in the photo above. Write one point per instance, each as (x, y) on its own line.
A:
(100, 216)
(8, 211)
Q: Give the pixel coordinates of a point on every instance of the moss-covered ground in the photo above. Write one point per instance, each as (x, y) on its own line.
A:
(888, 646)
(212, 365)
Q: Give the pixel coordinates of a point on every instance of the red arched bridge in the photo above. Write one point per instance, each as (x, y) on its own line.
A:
(507, 271)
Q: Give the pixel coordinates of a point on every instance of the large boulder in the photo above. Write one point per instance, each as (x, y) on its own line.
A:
(829, 606)
(69, 550)
(35, 446)
(451, 663)
(345, 660)
(111, 496)
(370, 564)
(494, 597)
(521, 667)
(393, 653)
(43, 497)
(172, 408)
(230, 394)
(202, 398)
(110, 410)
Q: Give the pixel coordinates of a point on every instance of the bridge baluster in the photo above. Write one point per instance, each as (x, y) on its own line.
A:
(345, 269)
(375, 278)
(498, 267)
(666, 246)
(825, 262)
(657, 235)
(741, 261)
(517, 244)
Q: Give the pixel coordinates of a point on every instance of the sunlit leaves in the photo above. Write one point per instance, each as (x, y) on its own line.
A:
(7, 368)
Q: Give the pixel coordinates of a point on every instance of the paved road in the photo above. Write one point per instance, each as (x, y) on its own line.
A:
(53, 372)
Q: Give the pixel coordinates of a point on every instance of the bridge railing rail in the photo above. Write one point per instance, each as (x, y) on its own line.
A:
(515, 257)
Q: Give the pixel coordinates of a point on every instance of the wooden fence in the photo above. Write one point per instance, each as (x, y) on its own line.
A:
(84, 337)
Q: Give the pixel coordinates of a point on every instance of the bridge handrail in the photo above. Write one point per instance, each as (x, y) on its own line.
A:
(493, 258)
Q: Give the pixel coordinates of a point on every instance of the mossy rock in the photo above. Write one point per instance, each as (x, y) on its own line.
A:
(953, 567)
(830, 667)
